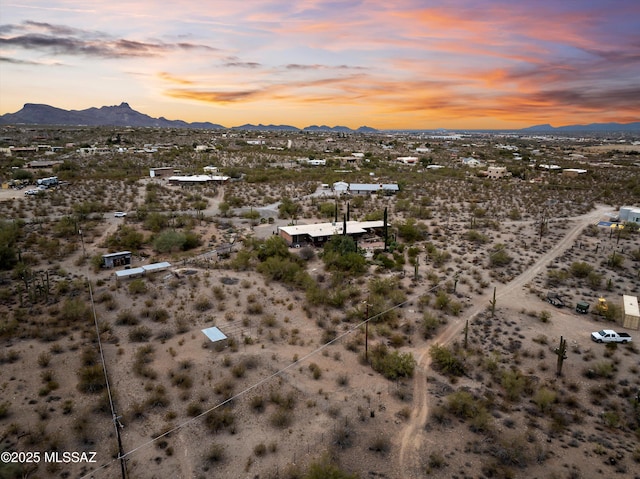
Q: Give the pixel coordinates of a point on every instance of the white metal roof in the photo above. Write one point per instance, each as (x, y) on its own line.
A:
(373, 186)
(124, 273)
(329, 229)
(115, 255)
(198, 178)
(630, 305)
(156, 266)
(214, 334)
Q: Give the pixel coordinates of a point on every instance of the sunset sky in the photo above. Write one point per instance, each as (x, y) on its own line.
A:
(386, 64)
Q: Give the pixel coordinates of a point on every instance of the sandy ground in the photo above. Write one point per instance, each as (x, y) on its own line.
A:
(276, 344)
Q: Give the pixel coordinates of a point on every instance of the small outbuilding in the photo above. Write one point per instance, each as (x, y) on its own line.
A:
(631, 312)
(113, 260)
(215, 335)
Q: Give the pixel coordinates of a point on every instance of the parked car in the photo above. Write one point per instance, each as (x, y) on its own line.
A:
(32, 191)
(120, 214)
(610, 336)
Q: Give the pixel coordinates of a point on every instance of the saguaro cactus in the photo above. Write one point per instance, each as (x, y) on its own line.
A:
(492, 302)
(561, 351)
(466, 334)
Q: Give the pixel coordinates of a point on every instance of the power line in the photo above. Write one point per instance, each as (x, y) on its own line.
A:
(106, 380)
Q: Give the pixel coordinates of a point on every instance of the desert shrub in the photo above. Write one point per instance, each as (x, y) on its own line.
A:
(169, 241)
(341, 253)
(126, 317)
(144, 356)
(238, 370)
(381, 444)
(215, 453)
(281, 418)
(224, 388)
(430, 325)
(476, 237)
(392, 365)
(442, 300)
(139, 334)
(181, 380)
(499, 256)
(315, 370)
(202, 304)
(603, 369)
(556, 277)
(157, 315)
(219, 419)
(463, 405)
(513, 383)
(137, 286)
(158, 398)
(91, 379)
(436, 461)
(257, 403)
(445, 361)
(324, 468)
(615, 260)
(580, 269)
(194, 409)
(4, 409)
(260, 449)
(44, 358)
(544, 398)
(74, 310)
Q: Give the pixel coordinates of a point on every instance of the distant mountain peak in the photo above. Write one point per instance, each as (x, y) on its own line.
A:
(123, 115)
(592, 127)
(116, 115)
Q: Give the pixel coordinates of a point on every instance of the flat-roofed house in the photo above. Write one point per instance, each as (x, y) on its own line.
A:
(318, 233)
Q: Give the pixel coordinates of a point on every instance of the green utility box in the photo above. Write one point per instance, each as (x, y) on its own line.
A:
(582, 307)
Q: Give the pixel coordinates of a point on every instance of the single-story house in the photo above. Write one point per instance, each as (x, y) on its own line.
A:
(196, 180)
(369, 188)
(340, 186)
(161, 171)
(318, 233)
(573, 171)
(407, 160)
(470, 161)
(496, 172)
(630, 214)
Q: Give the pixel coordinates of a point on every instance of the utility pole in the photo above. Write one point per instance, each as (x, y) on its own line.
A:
(386, 232)
(116, 422)
(84, 254)
(366, 332)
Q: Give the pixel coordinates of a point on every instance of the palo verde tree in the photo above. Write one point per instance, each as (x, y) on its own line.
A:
(341, 253)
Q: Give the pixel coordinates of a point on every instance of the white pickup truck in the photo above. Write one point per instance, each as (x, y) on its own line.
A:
(610, 336)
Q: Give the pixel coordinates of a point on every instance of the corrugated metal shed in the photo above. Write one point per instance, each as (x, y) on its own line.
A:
(631, 316)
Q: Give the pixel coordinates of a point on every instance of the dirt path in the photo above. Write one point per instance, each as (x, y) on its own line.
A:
(510, 295)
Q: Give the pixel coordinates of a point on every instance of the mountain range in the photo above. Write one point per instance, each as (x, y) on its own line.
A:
(124, 116)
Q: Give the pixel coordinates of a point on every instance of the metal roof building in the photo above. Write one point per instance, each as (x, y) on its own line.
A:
(319, 232)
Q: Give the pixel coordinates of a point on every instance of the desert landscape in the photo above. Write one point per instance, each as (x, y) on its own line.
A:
(428, 352)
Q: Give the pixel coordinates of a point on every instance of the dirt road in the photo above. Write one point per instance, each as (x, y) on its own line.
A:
(511, 294)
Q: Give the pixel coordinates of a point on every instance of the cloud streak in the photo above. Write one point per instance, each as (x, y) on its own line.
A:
(64, 40)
